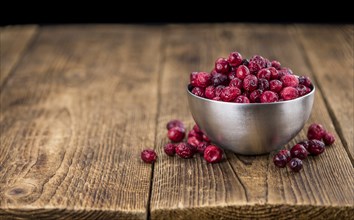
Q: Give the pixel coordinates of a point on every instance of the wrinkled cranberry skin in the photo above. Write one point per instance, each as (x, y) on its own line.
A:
(250, 83)
(257, 63)
(281, 158)
(236, 83)
(328, 138)
(213, 154)
(263, 84)
(229, 94)
(242, 99)
(315, 131)
(193, 141)
(264, 74)
(289, 93)
(242, 71)
(198, 91)
(184, 150)
(148, 156)
(273, 73)
(290, 80)
(235, 59)
(170, 149)
(255, 96)
(201, 147)
(176, 134)
(193, 133)
(305, 144)
(193, 78)
(316, 147)
(295, 164)
(232, 75)
(268, 96)
(222, 65)
(218, 90)
(174, 123)
(275, 85)
(219, 79)
(303, 90)
(305, 80)
(210, 92)
(276, 64)
(298, 151)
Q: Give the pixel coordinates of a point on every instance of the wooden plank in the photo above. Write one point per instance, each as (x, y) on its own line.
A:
(13, 42)
(329, 52)
(243, 187)
(75, 118)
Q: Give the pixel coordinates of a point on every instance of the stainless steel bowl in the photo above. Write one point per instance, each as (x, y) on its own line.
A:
(251, 129)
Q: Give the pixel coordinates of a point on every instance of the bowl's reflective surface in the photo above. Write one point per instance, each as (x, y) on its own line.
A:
(251, 129)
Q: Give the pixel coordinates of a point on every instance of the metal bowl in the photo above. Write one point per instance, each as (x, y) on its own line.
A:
(251, 129)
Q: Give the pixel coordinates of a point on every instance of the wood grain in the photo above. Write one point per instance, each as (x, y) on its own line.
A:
(243, 187)
(329, 52)
(13, 42)
(75, 116)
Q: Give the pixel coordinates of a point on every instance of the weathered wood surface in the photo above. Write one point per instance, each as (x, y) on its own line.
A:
(83, 101)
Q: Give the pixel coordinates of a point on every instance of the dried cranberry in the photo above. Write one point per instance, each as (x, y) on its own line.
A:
(298, 151)
(316, 147)
(276, 64)
(305, 144)
(232, 75)
(176, 134)
(255, 96)
(250, 83)
(174, 123)
(242, 99)
(222, 65)
(295, 164)
(328, 138)
(281, 158)
(184, 150)
(193, 141)
(193, 133)
(202, 80)
(257, 63)
(264, 74)
(290, 80)
(219, 79)
(198, 91)
(305, 80)
(289, 93)
(201, 147)
(268, 96)
(275, 85)
(229, 94)
(315, 131)
(263, 84)
(242, 71)
(148, 156)
(193, 78)
(169, 149)
(235, 59)
(236, 83)
(303, 90)
(273, 73)
(197, 129)
(213, 154)
(218, 90)
(206, 138)
(210, 92)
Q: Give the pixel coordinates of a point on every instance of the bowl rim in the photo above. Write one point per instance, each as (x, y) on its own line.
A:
(253, 104)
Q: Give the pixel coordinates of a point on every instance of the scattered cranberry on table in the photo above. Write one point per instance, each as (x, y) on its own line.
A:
(148, 156)
(213, 154)
(251, 78)
(295, 164)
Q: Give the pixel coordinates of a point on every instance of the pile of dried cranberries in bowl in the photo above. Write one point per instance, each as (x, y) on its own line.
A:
(256, 80)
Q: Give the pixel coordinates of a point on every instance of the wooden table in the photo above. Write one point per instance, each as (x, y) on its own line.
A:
(79, 103)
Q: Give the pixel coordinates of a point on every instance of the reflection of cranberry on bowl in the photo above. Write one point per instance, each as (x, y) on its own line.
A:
(250, 107)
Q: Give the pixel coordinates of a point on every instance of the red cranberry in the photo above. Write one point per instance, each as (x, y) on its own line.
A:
(242, 71)
(169, 149)
(255, 96)
(276, 64)
(303, 90)
(273, 73)
(193, 133)
(250, 83)
(235, 59)
(289, 93)
(295, 164)
(198, 91)
(298, 151)
(268, 96)
(232, 75)
(315, 131)
(210, 92)
(281, 158)
(174, 123)
(316, 147)
(290, 80)
(218, 90)
(305, 144)
(212, 154)
(201, 147)
(284, 72)
(197, 129)
(193, 78)
(219, 79)
(148, 156)
(229, 94)
(264, 74)
(242, 99)
(263, 84)
(236, 83)
(176, 134)
(202, 80)
(328, 138)
(193, 141)
(222, 65)
(275, 85)
(184, 150)
(305, 80)
(257, 63)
